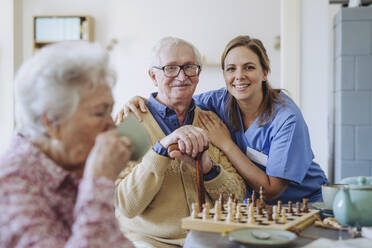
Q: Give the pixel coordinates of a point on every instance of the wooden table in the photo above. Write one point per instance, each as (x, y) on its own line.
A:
(199, 239)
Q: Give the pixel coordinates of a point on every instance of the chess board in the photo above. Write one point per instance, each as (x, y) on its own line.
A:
(294, 221)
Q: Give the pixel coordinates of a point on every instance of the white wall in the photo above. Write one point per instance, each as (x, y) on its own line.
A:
(291, 48)
(209, 26)
(332, 11)
(137, 25)
(316, 78)
(6, 72)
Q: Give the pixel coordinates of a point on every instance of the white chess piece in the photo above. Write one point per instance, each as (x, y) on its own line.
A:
(251, 209)
(217, 206)
(206, 215)
(230, 217)
(195, 210)
(217, 216)
(230, 212)
(275, 214)
(283, 220)
(251, 219)
(232, 207)
(238, 214)
(217, 211)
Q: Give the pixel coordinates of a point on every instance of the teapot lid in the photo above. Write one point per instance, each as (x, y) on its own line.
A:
(357, 187)
(361, 181)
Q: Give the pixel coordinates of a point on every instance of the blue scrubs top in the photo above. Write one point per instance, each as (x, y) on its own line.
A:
(284, 141)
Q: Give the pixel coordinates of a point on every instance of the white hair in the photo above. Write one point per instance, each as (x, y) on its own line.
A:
(54, 80)
(168, 42)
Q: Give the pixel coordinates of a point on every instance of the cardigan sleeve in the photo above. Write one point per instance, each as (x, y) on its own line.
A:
(228, 180)
(137, 185)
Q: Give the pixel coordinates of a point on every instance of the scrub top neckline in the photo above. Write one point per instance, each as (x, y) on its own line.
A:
(245, 132)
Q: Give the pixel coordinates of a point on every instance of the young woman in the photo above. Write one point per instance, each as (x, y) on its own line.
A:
(266, 137)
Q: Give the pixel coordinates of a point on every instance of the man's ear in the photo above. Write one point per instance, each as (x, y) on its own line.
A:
(52, 129)
(153, 77)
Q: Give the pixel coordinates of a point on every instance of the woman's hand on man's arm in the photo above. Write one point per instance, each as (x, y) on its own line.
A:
(136, 104)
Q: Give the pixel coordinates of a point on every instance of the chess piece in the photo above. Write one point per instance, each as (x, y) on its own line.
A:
(195, 210)
(290, 207)
(279, 206)
(253, 198)
(283, 219)
(298, 206)
(261, 192)
(231, 208)
(269, 213)
(238, 214)
(262, 197)
(217, 206)
(230, 199)
(263, 207)
(206, 215)
(248, 201)
(275, 214)
(251, 219)
(259, 208)
(251, 209)
(305, 202)
(230, 217)
(217, 216)
(220, 199)
(230, 213)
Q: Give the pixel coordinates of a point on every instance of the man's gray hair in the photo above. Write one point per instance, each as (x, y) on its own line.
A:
(168, 42)
(54, 80)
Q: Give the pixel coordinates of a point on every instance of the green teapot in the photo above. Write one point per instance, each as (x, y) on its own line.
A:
(353, 204)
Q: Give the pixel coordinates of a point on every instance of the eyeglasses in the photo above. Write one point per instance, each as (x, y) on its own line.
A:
(173, 70)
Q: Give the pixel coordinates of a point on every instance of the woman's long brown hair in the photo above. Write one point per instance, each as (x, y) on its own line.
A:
(271, 96)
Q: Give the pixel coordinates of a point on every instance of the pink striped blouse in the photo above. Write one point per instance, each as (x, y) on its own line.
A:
(43, 205)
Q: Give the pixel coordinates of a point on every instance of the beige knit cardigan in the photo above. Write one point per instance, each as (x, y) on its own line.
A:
(154, 194)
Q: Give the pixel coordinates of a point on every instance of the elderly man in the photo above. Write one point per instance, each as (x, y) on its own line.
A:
(152, 196)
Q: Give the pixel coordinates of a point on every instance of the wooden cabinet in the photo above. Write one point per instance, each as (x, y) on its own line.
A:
(50, 29)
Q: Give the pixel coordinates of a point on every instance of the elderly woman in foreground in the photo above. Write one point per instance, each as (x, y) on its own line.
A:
(56, 179)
